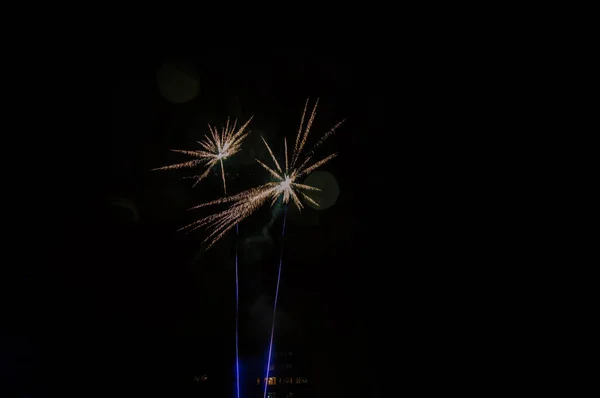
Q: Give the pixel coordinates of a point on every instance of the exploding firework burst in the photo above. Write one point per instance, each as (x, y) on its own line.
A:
(286, 186)
(216, 147)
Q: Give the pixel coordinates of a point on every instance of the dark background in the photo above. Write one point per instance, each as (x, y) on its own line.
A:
(105, 303)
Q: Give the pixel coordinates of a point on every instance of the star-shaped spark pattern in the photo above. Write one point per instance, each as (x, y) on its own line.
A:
(216, 147)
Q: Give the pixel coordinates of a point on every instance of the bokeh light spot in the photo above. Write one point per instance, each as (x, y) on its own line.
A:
(124, 210)
(329, 189)
(177, 82)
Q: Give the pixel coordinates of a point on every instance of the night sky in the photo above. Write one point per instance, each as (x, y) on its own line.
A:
(112, 295)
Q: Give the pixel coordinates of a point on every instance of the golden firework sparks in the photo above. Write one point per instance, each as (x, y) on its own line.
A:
(286, 186)
(216, 147)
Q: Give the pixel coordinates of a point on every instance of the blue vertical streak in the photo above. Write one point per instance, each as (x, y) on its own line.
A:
(237, 306)
(275, 305)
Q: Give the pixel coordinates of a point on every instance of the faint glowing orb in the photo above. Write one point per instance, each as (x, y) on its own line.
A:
(177, 82)
(125, 208)
(329, 189)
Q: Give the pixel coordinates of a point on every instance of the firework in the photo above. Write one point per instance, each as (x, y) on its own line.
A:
(216, 147)
(286, 186)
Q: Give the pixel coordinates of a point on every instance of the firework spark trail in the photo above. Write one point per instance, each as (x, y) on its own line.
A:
(275, 303)
(216, 147)
(247, 202)
(237, 307)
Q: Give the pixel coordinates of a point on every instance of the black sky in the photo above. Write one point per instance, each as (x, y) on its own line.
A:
(141, 305)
